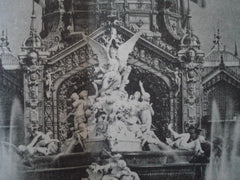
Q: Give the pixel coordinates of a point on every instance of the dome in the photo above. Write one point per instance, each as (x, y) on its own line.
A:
(8, 60)
(190, 39)
(33, 41)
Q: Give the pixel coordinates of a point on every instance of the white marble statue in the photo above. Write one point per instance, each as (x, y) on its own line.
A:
(42, 144)
(113, 60)
(146, 108)
(110, 114)
(115, 169)
(79, 105)
(181, 141)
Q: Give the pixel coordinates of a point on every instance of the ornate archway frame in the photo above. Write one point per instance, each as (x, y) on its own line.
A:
(79, 57)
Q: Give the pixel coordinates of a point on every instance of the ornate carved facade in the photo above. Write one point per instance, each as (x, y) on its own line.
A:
(73, 73)
(62, 62)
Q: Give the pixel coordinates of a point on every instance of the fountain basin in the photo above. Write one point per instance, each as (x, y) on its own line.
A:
(148, 165)
(131, 158)
(177, 171)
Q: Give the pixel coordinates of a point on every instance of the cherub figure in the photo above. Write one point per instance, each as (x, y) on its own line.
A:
(79, 108)
(119, 170)
(101, 123)
(117, 127)
(115, 169)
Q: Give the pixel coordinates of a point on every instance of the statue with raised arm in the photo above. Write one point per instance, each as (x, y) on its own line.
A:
(135, 107)
(147, 110)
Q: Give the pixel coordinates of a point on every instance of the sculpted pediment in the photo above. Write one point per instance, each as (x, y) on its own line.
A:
(152, 56)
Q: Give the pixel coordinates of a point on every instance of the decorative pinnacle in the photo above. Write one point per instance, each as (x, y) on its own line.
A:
(4, 40)
(188, 27)
(222, 65)
(6, 37)
(33, 17)
(189, 17)
(3, 37)
(236, 49)
(35, 40)
(217, 39)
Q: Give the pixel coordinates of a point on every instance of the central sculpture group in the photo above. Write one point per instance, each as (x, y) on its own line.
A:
(111, 114)
(111, 118)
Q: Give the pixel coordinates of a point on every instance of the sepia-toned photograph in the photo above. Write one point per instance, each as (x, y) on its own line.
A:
(119, 90)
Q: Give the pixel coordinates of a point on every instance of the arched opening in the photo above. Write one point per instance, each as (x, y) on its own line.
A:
(82, 80)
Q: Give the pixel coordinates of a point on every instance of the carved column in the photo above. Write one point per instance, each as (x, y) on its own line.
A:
(32, 63)
(172, 109)
(191, 57)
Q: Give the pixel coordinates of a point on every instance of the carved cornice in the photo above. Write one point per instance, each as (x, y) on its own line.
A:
(68, 50)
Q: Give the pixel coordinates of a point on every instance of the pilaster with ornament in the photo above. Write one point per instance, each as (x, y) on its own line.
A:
(31, 60)
(192, 58)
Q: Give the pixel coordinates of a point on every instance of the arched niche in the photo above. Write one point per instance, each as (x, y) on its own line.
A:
(82, 80)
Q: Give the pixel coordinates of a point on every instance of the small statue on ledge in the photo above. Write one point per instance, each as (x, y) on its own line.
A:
(79, 107)
(114, 169)
(42, 144)
(147, 110)
(181, 141)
